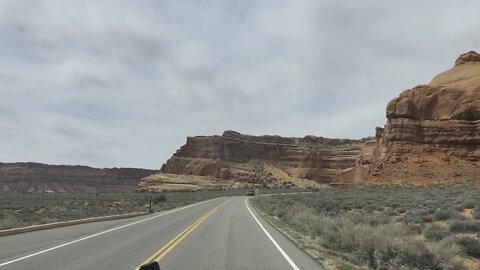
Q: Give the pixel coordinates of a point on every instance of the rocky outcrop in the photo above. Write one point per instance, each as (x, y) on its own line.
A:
(37, 177)
(468, 57)
(432, 133)
(263, 160)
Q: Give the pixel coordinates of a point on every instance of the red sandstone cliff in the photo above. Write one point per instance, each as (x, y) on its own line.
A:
(432, 133)
(265, 160)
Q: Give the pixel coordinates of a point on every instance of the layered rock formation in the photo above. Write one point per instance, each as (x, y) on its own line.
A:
(36, 177)
(432, 133)
(264, 160)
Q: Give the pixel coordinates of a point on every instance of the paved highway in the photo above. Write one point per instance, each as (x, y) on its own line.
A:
(224, 233)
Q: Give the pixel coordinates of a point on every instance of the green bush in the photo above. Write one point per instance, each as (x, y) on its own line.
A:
(417, 217)
(470, 246)
(464, 226)
(469, 204)
(159, 199)
(445, 214)
(10, 220)
(476, 213)
(435, 232)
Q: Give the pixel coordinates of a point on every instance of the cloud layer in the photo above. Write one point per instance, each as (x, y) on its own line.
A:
(122, 83)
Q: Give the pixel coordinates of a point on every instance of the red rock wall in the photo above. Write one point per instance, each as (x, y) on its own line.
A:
(432, 133)
(240, 157)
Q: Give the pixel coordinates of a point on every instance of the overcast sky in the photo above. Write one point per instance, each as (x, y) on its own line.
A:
(123, 83)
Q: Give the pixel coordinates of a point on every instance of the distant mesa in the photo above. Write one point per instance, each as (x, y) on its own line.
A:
(38, 177)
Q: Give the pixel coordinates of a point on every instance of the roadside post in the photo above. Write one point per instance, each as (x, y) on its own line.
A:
(150, 202)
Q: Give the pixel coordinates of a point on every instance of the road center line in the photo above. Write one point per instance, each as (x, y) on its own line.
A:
(101, 233)
(161, 253)
(284, 254)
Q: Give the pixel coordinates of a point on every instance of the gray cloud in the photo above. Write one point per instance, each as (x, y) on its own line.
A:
(122, 83)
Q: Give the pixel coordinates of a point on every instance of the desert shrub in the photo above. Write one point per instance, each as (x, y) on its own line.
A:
(464, 226)
(469, 204)
(279, 212)
(417, 217)
(380, 227)
(435, 232)
(476, 213)
(390, 212)
(431, 210)
(48, 220)
(407, 254)
(9, 220)
(376, 219)
(393, 204)
(469, 245)
(379, 247)
(160, 199)
(446, 255)
(414, 228)
(445, 214)
(307, 221)
(330, 204)
(427, 218)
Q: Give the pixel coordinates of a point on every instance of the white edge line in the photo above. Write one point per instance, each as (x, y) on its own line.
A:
(100, 233)
(69, 222)
(285, 255)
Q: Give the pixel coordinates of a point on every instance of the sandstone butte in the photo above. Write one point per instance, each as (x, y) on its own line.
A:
(234, 160)
(432, 135)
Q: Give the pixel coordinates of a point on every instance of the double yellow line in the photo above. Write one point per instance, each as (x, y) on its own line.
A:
(161, 253)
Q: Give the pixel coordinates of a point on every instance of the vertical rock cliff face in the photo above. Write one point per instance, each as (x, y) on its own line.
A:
(263, 159)
(432, 133)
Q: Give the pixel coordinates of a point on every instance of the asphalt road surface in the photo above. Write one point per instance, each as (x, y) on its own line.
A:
(224, 233)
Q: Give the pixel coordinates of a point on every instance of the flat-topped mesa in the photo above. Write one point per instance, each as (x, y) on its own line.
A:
(432, 132)
(37, 177)
(275, 139)
(263, 159)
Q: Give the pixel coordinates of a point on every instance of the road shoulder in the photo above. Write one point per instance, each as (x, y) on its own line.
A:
(303, 259)
(322, 256)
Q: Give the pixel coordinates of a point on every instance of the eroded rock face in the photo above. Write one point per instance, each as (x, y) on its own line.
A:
(267, 160)
(470, 56)
(432, 133)
(37, 177)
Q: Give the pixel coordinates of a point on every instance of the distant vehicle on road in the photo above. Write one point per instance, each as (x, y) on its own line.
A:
(250, 193)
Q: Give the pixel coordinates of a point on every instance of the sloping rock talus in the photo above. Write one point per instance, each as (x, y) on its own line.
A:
(432, 133)
(264, 160)
(37, 177)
